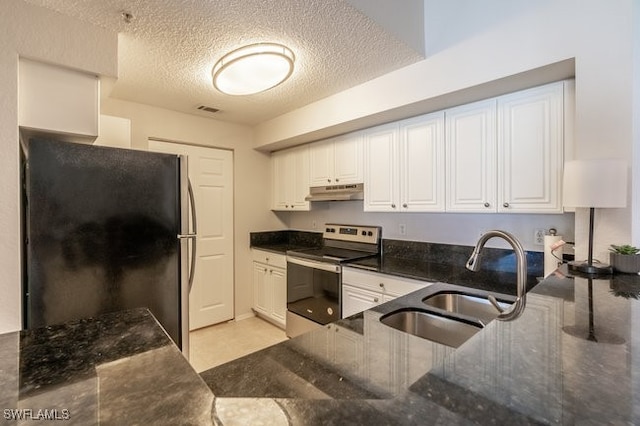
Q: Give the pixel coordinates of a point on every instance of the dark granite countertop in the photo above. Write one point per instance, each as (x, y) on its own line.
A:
(500, 281)
(424, 261)
(281, 241)
(572, 358)
(545, 367)
(116, 369)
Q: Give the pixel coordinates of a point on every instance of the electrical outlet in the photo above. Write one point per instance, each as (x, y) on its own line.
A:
(403, 229)
(538, 236)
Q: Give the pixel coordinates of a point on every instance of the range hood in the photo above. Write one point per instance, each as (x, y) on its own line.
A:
(348, 192)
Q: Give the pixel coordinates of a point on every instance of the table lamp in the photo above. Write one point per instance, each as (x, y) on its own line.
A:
(597, 183)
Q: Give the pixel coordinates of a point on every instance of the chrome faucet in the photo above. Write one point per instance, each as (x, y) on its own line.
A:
(473, 264)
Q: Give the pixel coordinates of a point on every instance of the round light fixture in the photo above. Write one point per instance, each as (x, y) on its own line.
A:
(253, 69)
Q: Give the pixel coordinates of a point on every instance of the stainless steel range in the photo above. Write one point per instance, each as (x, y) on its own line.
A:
(314, 276)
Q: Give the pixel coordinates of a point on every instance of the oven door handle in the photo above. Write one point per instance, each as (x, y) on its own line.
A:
(330, 267)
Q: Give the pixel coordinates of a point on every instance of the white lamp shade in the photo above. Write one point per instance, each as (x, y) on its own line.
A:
(253, 69)
(595, 183)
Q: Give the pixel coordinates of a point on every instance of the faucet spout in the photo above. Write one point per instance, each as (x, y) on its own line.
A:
(473, 264)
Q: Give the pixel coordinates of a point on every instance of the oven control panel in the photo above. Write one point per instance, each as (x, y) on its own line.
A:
(355, 233)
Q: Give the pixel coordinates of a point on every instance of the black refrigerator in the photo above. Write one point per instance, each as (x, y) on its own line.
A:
(105, 229)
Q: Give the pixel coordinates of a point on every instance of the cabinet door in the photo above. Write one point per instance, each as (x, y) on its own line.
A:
(321, 155)
(290, 179)
(381, 185)
(261, 290)
(471, 157)
(422, 168)
(279, 181)
(299, 178)
(348, 159)
(356, 300)
(348, 356)
(530, 135)
(278, 278)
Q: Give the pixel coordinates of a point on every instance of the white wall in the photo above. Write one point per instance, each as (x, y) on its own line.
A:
(47, 36)
(471, 43)
(251, 188)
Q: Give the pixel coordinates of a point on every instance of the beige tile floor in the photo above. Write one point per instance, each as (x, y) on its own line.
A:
(220, 343)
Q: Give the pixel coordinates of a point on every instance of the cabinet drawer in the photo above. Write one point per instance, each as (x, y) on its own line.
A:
(356, 300)
(381, 283)
(269, 257)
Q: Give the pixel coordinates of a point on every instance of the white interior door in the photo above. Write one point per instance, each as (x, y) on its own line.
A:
(211, 175)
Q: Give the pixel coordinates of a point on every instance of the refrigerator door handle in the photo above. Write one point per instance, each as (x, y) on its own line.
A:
(193, 235)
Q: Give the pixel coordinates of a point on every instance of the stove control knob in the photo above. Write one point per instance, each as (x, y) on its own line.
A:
(364, 233)
(369, 233)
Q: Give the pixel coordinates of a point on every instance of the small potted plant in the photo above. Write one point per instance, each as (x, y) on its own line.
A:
(625, 258)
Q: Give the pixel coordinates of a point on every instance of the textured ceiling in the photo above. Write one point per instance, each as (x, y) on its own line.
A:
(167, 50)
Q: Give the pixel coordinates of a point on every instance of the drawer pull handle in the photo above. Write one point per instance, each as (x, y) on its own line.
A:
(375, 300)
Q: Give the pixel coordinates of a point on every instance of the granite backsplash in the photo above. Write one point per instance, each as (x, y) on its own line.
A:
(285, 238)
(494, 259)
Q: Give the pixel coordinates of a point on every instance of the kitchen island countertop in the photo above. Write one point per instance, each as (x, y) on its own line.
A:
(571, 358)
(564, 361)
(116, 369)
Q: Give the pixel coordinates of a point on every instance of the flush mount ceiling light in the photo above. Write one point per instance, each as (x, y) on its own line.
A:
(253, 69)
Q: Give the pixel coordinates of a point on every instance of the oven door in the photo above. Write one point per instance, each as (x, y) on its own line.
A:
(313, 289)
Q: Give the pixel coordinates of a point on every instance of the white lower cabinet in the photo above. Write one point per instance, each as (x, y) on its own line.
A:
(336, 345)
(356, 300)
(270, 286)
(362, 290)
(505, 355)
(399, 359)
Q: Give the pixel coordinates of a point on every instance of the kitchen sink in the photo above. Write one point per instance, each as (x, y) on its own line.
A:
(466, 304)
(431, 326)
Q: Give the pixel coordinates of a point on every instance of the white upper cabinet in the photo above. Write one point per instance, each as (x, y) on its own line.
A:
(503, 154)
(506, 154)
(404, 166)
(381, 183)
(321, 156)
(56, 100)
(422, 163)
(348, 159)
(471, 157)
(290, 179)
(336, 161)
(530, 147)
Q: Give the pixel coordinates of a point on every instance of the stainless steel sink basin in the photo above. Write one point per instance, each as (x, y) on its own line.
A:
(431, 326)
(466, 304)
